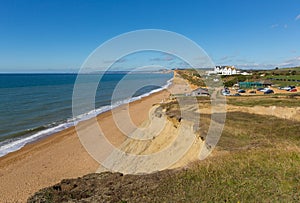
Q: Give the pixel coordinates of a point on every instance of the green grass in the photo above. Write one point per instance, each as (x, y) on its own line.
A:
(285, 80)
(285, 77)
(248, 131)
(192, 76)
(257, 160)
(265, 100)
(260, 176)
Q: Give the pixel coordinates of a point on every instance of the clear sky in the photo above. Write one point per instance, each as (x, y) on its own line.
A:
(58, 35)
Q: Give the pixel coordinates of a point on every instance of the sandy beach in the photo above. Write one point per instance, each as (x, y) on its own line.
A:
(61, 156)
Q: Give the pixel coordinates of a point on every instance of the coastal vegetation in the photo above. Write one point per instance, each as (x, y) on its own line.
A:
(279, 77)
(192, 76)
(292, 100)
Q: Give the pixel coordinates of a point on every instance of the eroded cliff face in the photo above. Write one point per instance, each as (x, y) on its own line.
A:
(167, 140)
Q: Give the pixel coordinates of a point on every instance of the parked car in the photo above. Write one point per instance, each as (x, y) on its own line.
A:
(260, 89)
(286, 88)
(269, 92)
(241, 91)
(293, 90)
(264, 89)
(226, 93)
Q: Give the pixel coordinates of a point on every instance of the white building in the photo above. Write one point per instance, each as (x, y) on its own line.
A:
(225, 70)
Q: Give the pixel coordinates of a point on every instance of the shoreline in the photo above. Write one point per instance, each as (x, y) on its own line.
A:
(18, 144)
(61, 155)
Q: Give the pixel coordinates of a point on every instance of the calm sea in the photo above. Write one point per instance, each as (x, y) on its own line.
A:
(36, 105)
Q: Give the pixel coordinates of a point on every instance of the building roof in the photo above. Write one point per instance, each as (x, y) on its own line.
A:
(228, 67)
(200, 90)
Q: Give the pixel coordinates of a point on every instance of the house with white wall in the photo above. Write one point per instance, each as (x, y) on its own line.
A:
(225, 70)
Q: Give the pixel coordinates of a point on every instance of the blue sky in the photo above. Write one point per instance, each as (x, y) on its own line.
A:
(58, 35)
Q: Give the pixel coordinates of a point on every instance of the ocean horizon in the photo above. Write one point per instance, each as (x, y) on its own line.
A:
(36, 105)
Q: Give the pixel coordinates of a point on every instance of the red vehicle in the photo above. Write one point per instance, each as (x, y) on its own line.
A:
(293, 90)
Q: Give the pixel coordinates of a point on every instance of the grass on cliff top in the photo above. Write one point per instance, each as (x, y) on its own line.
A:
(257, 160)
(257, 176)
(292, 100)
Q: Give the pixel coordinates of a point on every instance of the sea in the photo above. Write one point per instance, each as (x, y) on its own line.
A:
(33, 106)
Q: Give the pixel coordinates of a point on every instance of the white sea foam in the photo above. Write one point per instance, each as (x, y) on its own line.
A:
(16, 144)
